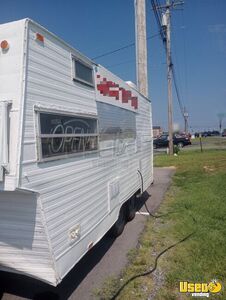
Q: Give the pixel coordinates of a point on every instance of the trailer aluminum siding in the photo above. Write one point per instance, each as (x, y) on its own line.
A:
(54, 208)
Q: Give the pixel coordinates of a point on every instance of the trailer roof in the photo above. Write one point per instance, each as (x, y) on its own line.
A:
(77, 53)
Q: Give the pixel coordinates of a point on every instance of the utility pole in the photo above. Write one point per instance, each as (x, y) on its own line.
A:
(169, 76)
(185, 120)
(141, 46)
(221, 116)
(166, 25)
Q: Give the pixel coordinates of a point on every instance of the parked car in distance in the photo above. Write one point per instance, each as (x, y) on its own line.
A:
(207, 133)
(224, 133)
(179, 140)
(215, 132)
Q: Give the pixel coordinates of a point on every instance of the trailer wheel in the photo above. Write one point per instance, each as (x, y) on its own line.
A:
(131, 209)
(119, 225)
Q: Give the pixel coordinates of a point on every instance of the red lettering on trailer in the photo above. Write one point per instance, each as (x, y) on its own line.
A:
(111, 89)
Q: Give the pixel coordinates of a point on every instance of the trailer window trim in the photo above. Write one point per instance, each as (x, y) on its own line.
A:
(75, 76)
(84, 138)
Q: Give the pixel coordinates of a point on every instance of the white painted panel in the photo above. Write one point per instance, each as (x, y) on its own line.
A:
(11, 88)
(23, 243)
(74, 192)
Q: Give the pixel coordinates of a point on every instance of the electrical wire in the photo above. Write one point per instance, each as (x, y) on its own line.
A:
(158, 20)
(124, 47)
(177, 91)
(114, 51)
(148, 272)
(176, 63)
(155, 265)
(155, 4)
(185, 54)
(121, 63)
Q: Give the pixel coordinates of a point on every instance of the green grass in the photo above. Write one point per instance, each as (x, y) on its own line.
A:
(210, 142)
(199, 190)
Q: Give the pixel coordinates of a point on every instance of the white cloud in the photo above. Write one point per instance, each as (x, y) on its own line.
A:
(217, 28)
(219, 33)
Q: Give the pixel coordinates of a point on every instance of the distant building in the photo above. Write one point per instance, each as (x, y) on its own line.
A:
(157, 131)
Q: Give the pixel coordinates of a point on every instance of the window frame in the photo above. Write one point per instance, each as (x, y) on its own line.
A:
(39, 135)
(77, 79)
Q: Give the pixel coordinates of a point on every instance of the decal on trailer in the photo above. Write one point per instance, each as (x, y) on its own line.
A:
(111, 89)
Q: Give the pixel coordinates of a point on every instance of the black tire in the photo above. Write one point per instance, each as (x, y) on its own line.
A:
(180, 145)
(131, 209)
(117, 229)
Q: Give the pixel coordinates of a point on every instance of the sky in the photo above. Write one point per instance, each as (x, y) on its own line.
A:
(101, 26)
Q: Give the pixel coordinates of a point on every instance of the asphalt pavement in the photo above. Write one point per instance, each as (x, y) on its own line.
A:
(107, 258)
(207, 144)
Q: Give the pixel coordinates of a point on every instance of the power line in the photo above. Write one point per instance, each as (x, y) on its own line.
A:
(124, 47)
(185, 54)
(121, 63)
(114, 51)
(158, 20)
(177, 91)
(155, 6)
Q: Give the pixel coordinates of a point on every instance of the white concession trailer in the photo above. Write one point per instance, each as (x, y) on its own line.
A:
(75, 146)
